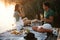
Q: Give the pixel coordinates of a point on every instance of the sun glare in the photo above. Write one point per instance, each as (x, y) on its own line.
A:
(7, 21)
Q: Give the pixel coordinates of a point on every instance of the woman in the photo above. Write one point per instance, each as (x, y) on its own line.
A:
(18, 15)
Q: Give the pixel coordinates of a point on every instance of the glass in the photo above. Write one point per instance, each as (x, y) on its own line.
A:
(39, 23)
(41, 16)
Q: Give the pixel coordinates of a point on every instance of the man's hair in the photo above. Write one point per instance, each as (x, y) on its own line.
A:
(46, 4)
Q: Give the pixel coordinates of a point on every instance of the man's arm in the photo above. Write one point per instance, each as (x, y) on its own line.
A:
(50, 19)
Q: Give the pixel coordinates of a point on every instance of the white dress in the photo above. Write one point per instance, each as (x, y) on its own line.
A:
(19, 24)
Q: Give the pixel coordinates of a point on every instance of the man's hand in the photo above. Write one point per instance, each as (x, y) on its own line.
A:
(49, 20)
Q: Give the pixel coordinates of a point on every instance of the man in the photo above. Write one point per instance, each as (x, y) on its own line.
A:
(48, 20)
(48, 17)
(48, 13)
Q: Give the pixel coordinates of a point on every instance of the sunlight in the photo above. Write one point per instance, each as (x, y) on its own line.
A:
(7, 21)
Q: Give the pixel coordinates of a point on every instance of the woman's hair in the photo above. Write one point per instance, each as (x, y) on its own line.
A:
(17, 7)
(46, 4)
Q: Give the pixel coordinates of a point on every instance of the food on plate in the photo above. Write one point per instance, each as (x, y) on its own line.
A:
(15, 32)
(24, 31)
